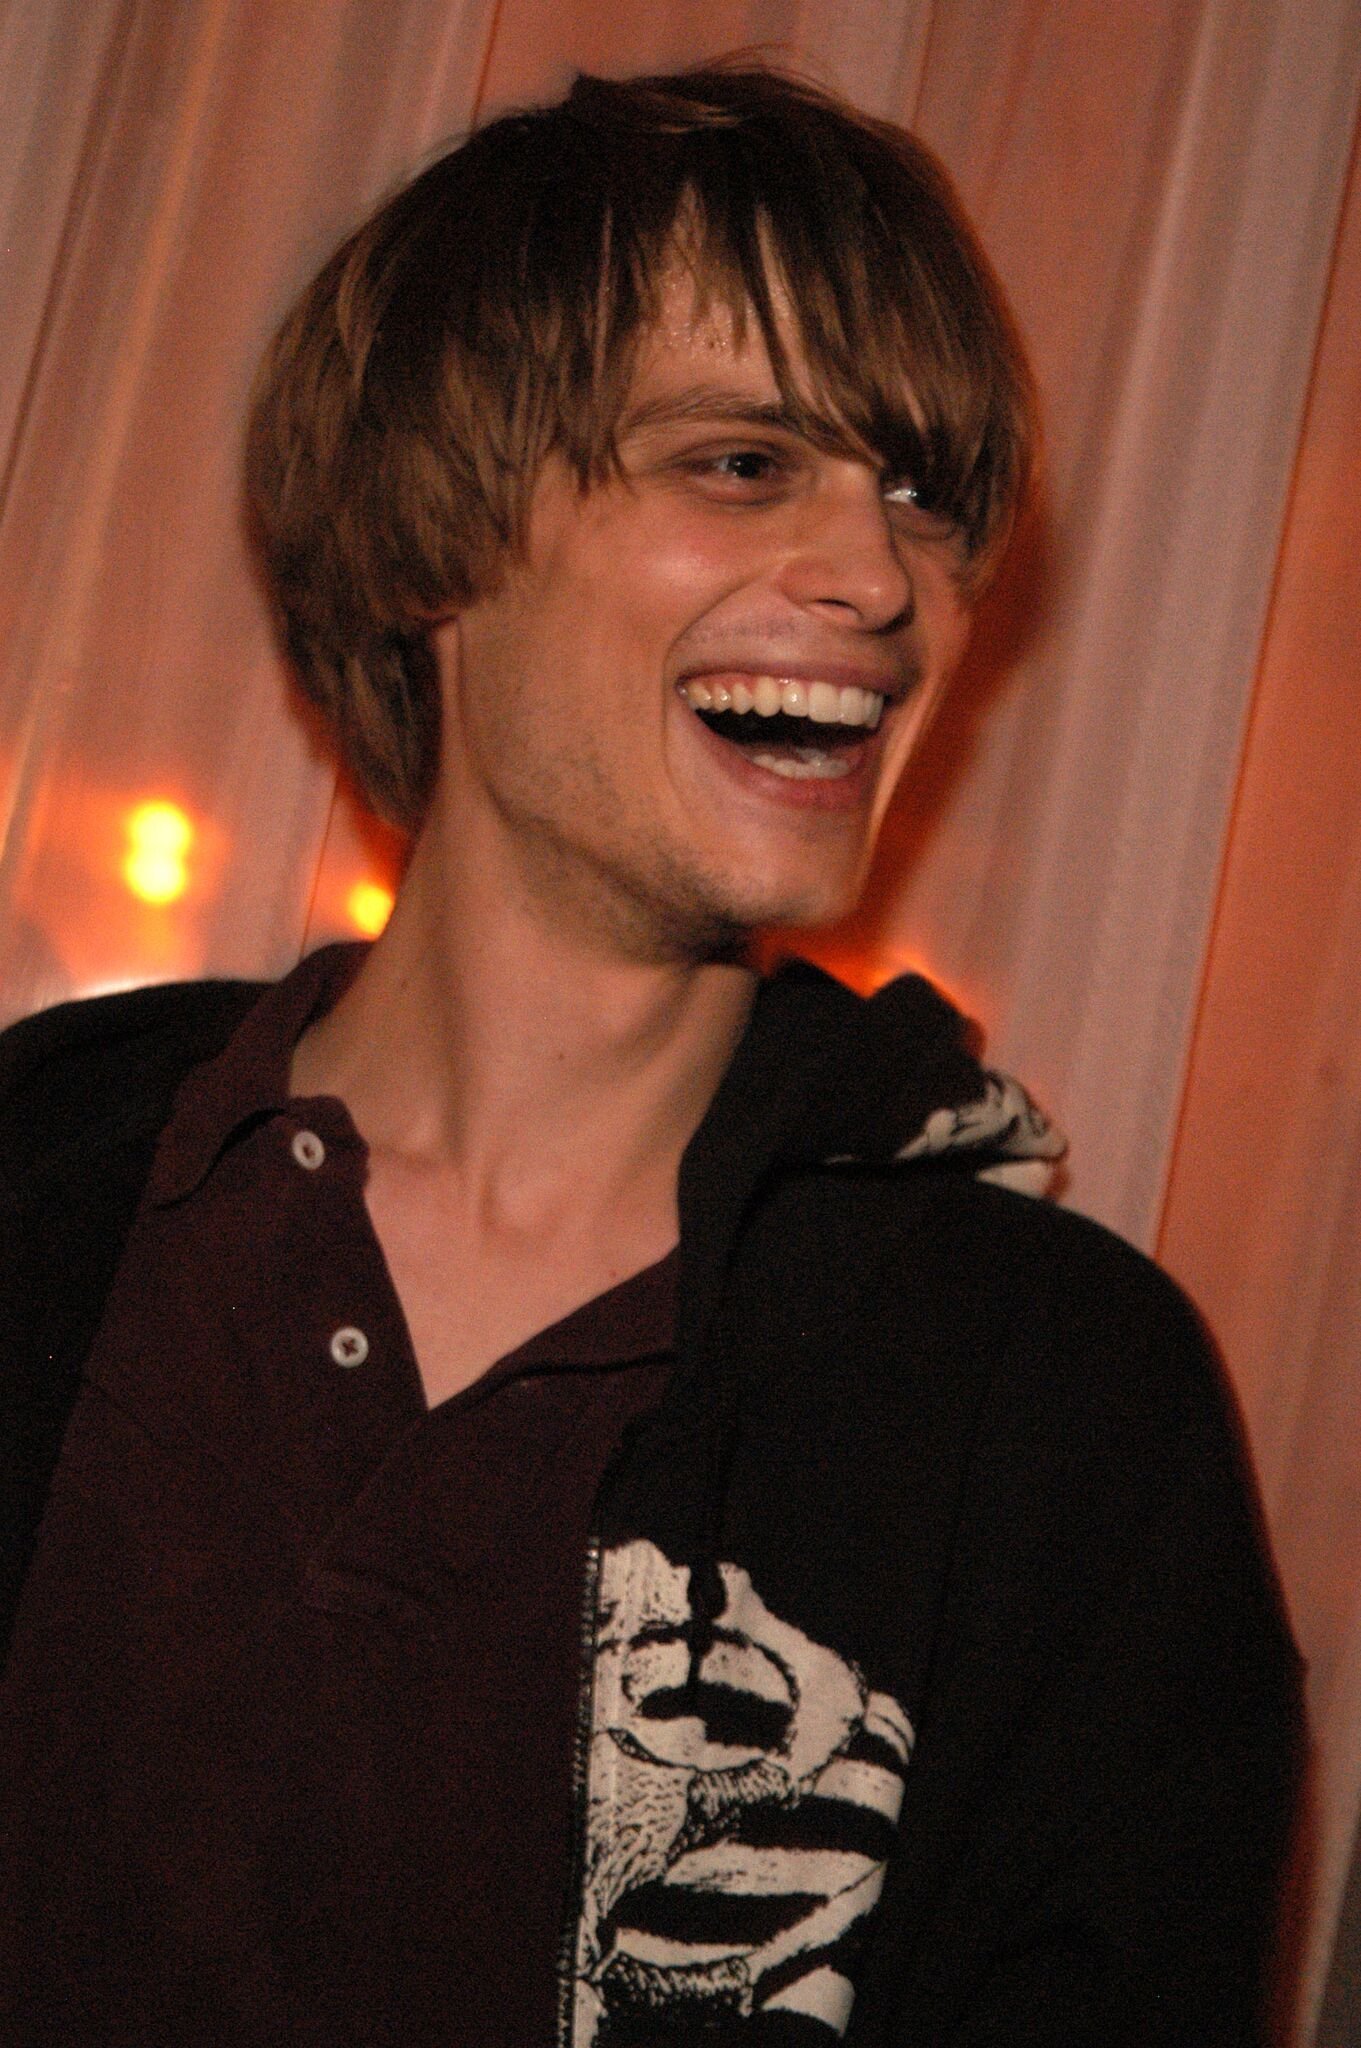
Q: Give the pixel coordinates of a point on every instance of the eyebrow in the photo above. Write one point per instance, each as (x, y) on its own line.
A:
(704, 402)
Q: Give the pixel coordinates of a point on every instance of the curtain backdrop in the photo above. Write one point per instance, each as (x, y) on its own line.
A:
(1263, 1217)
(1133, 844)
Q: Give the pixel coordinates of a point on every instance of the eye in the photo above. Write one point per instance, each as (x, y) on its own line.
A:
(740, 473)
(744, 465)
(914, 510)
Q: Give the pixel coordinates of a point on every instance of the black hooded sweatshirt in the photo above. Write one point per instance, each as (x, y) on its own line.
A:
(935, 1688)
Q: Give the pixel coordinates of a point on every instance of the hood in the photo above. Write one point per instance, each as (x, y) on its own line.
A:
(828, 1080)
(899, 1081)
(824, 1077)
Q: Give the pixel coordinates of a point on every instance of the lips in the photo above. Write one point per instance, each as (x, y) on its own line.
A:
(807, 730)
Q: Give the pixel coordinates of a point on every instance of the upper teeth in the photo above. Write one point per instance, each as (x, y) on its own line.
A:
(823, 703)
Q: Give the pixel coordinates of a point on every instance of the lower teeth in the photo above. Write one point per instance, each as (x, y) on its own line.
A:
(806, 764)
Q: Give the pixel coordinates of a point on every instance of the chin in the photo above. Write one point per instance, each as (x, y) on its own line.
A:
(727, 932)
(700, 912)
(800, 898)
(807, 906)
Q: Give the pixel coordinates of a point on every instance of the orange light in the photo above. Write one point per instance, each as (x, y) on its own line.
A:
(370, 906)
(160, 837)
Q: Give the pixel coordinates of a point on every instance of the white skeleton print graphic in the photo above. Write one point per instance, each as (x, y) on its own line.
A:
(744, 1790)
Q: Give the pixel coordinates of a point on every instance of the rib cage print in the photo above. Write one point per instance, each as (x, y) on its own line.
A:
(744, 1789)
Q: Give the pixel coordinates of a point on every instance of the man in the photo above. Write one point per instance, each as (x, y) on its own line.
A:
(582, 1511)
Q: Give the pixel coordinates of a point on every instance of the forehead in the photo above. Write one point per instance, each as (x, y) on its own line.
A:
(705, 353)
(699, 333)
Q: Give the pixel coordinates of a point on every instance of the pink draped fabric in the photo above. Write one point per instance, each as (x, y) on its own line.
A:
(1263, 1212)
(1134, 841)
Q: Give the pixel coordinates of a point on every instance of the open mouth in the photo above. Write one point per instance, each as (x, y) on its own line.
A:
(803, 731)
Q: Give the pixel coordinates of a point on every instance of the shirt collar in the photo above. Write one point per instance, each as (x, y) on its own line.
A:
(248, 1080)
(631, 1321)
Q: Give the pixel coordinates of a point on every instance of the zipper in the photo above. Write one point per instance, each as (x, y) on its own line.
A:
(581, 1758)
(581, 1747)
(633, 1433)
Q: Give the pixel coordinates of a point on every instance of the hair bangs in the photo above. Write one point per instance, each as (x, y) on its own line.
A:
(885, 330)
(906, 349)
(490, 315)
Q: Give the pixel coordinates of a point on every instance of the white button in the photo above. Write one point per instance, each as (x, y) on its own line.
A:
(349, 1346)
(308, 1150)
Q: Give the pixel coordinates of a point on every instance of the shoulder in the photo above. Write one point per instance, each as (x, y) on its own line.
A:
(949, 1242)
(90, 1074)
(1098, 1438)
(1067, 1287)
(1061, 1346)
(1106, 1422)
(1090, 1322)
(84, 1090)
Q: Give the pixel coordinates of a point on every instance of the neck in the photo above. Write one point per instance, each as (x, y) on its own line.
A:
(509, 1052)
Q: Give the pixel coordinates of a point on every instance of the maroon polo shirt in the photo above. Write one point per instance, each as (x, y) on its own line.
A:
(294, 1687)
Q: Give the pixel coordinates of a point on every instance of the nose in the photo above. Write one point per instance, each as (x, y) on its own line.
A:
(845, 561)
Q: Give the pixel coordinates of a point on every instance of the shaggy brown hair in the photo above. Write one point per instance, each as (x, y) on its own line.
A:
(491, 311)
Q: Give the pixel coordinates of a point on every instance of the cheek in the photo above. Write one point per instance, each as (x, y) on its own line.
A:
(946, 617)
(649, 577)
(956, 639)
(912, 722)
(947, 625)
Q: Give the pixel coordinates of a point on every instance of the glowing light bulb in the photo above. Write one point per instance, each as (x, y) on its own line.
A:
(369, 906)
(160, 837)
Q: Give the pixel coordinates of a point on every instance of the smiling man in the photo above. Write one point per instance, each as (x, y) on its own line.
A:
(561, 1492)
